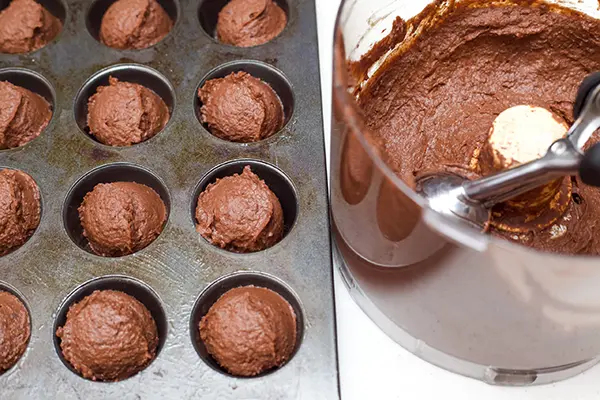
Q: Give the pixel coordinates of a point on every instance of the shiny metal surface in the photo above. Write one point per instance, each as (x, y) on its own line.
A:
(179, 265)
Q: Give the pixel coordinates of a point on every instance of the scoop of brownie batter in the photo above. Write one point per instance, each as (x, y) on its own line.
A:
(19, 209)
(26, 26)
(433, 102)
(240, 108)
(23, 115)
(121, 218)
(134, 24)
(123, 113)
(249, 330)
(108, 336)
(240, 213)
(14, 330)
(247, 23)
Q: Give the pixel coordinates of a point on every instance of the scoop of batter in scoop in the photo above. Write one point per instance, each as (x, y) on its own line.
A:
(134, 24)
(249, 330)
(19, 209)
(108, 336)
(14, 330)
(23, 115)
(123, 113)
(121, 218)
(240, 108)
(246, 23)
(26, 26)
(240, 213)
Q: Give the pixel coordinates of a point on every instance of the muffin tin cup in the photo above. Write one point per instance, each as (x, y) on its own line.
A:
(239, 279)
(263, 71)
(132, 73)
(178, 163)
(36, 83)
(5, 287)
(117, 172)
(133, 287)
(208, 15)
(274, 178)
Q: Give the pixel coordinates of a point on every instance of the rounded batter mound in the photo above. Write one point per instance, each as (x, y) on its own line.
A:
(433, 103)
(19, 209)
(23, 115)
(14, 330)
(123, 113)
(240, 108)
(249, 330)
(134, 24)
(108, 336)
(246, 23)
(121, 218)
(240, 213)
(26, 26)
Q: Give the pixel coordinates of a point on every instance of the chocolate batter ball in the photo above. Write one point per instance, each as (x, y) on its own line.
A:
(108, 336)
(19, 209)
(241, 108)
(246, 23)
(121, 218)
(26, 26)
(14, 330)
(134, 24)
(240, 213)
(23, 115)
(123, 113)
(249, 330)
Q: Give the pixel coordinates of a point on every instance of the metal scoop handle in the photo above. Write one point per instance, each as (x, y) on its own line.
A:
(564, 157)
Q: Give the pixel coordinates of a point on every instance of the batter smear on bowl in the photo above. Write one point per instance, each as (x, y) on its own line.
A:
(434, 103)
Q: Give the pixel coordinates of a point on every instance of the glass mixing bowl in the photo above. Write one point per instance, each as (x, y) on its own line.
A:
(473, 304)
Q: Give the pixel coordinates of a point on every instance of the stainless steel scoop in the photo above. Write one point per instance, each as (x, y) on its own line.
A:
(471, 201)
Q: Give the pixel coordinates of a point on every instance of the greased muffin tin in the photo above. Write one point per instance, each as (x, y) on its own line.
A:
(180, 274)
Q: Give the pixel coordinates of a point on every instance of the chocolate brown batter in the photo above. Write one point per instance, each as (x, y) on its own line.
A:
(123, 113)
(246, 23)
(14, 330)
(121, 218)
(108, 336)
(23, 115)
(26, 26)
(134, 24)
(249, 330)
(433, 103)
(19, 209)
(240, 108)
(240, 213)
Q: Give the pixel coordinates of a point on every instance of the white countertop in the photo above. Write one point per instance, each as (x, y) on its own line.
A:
(372, 366)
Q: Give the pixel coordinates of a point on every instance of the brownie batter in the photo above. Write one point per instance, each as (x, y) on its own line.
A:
(23, 115)
(246, 23)
(240, 108)
(240, 213)
(121, 218)
(123, 113)
(134, 24)
(249, 330)
(433, 102)
(19, 209)
(108, 336)
(26, 26)
(14, 330)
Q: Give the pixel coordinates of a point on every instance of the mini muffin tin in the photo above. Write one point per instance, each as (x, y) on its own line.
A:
(179, 275)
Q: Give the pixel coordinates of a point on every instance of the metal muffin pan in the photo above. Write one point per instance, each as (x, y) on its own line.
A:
(54, 268)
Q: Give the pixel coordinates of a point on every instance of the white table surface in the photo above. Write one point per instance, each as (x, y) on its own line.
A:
(372, 366)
